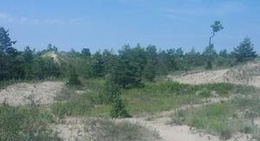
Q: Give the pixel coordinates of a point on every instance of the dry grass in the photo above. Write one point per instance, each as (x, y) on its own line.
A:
(110, 130)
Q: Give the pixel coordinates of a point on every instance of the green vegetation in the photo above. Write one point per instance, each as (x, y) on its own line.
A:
(78, 105)
(118, 109)
(212, 118)
(151, 98)
(112, 94)
(244, 52)
(168, 95)
(70, 103)
(223, 119)
(25, 124)
(130, 67)
(73, 78)
(209, 51)
(216, 27)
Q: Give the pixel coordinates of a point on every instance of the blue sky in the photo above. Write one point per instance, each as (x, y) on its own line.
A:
(109, 24)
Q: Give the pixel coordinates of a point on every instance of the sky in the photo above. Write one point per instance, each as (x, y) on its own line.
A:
(110, 24)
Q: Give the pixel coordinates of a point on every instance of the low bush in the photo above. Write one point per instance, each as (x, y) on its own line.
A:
(25, 124)
(119, 109)
(73, 78)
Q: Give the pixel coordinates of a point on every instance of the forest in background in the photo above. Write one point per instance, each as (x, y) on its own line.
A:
(129, 67)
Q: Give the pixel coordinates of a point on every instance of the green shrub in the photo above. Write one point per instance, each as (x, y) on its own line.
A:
(103, 92)
(73, 78)
(25, 124)
(118, 109)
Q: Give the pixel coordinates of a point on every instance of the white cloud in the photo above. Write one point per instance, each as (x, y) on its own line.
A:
(26, 20)
(190, 12)
(6, 18)
(184, 14)
(227, 8)
(196, 0)
(213, 9)
(53, 21)
(75, 20)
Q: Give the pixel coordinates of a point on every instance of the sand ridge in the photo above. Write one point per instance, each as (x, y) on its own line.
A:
(42, 93)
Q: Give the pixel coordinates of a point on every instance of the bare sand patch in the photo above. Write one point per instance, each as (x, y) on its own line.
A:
(71, 129)
(201, 77)
(248, 74)
(54, 56)
(42, 93)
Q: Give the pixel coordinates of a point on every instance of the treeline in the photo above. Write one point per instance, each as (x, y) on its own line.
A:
(133, 66)
(27, 64)
(129, 67)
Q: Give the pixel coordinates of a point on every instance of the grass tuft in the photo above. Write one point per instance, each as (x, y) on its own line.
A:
(25, 123)
(105, 129)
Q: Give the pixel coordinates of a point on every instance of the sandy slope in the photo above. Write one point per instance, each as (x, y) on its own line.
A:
(202, 77)
(54, 56)
(24, 93)
(248, 74)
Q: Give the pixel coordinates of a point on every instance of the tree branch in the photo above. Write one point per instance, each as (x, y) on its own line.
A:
(213, 34)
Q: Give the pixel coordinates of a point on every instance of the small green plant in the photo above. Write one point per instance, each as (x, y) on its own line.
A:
(73, 77)
(118, 109)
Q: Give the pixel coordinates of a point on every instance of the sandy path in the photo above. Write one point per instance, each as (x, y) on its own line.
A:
(160, 123)
(24, 93)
